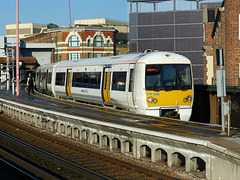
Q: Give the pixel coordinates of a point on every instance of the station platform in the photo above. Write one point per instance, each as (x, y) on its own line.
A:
(193, 133)
(167, 125)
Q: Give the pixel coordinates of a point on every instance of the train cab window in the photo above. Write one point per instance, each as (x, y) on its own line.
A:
(168, 77)
(153, 80)
(49, 78)
(119, 81)
(60, 78)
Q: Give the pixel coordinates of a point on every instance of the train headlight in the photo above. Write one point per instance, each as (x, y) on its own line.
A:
(189, 98)
(150, 100)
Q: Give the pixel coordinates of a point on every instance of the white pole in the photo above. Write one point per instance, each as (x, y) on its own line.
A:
(17, 50)
(13, 90)
(7, 70)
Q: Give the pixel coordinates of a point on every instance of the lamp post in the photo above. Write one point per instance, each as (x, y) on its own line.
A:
(70, 13)
(17, 48)
(13, 89)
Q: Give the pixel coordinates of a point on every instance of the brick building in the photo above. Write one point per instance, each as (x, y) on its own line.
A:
(223, 34)
(78, 42)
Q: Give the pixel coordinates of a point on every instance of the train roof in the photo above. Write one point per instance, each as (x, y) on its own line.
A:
(151, 57)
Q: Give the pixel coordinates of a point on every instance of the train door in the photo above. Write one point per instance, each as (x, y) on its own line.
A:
(38, 79)
(106, 85)
(68, 83)
(130, 88)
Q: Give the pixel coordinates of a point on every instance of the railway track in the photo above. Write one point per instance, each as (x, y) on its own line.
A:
(60, 159)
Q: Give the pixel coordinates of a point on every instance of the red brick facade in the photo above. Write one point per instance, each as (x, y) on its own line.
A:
(225, 33)
(84, 45)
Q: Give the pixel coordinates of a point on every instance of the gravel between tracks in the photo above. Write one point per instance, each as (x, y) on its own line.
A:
(176, 172)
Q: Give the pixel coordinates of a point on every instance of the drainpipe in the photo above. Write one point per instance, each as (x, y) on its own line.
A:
(82, 45)
(57, 49)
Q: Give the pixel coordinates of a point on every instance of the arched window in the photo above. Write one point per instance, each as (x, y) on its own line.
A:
(89, 43)
(98, 41)
(108, 43)
(73, 41)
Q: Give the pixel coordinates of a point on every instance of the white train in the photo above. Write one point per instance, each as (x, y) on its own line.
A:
(151, 83)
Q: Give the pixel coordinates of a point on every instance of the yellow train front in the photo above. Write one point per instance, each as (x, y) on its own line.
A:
(164, 85)
(151, 83)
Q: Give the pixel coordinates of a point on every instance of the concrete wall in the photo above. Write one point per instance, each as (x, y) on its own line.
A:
(191, 155)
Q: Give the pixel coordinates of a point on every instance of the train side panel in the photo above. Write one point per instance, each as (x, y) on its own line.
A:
(60, 82)
(119, 85)
(86, 84)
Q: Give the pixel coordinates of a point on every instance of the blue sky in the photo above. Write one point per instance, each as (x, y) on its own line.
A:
(57, 11)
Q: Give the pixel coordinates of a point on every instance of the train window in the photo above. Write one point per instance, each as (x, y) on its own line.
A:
(87, 79)
(131, 80)
(42, 76)
(77, 79)
(119, 81)
(49, 78)
(60, 78)
(94, 80)
(39, 77)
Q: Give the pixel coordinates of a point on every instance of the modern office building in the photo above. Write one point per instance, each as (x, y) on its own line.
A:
(166, 26)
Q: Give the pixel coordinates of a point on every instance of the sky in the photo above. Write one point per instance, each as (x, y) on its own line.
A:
(57, 11)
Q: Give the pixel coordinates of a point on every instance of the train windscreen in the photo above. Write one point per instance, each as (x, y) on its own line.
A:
(168, 77)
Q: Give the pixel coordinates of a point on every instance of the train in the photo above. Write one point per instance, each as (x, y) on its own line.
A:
(153, 83)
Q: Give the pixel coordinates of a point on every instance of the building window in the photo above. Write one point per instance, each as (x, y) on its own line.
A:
(89, 43)
(73, 56)
(96, 55)
(89, 55)
(108, 43)
(73, 41)
(98, 41)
